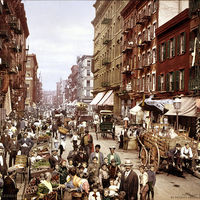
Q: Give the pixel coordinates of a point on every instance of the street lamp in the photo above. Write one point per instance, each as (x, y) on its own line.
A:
(177, 106)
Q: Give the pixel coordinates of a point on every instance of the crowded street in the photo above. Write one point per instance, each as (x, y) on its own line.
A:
(99, 99)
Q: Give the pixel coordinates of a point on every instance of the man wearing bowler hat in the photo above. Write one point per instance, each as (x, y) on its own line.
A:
(129, 182)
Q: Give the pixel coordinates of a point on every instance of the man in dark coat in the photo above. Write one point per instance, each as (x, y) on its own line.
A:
(54, 159)
(97, 154)
(13, 149)
(174, 154)
(9, 189)
(5, 139)
(3, 164)
(129, 182)
(25, 144)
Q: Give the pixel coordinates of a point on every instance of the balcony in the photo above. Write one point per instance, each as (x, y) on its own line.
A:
(6, 6)
(194, 7)
(15, 47)
(139, 20)
(139, 65)
(13, 70)
(106, 40)
(146, 15)
(145, 38)
(128, 47)
(127, 70)
(4, 32)
(106, 21)
(105, 84)
(106, 61)
(4, 63)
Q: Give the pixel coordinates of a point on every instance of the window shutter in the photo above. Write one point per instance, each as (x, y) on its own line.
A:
(183, 80)
(159, 83)
(167, 82)
(164, 52)
(178, 45)
(159, 51)
(177, 78)
(173, 46)
(184, 42)
(168, 49)
(173, 81)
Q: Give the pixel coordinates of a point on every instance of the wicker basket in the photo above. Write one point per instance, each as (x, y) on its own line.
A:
(63, 130)
(21, 159)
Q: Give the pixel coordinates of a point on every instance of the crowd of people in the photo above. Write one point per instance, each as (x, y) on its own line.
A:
(86, 173)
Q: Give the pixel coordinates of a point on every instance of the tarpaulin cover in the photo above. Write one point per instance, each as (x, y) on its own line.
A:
(188, 108)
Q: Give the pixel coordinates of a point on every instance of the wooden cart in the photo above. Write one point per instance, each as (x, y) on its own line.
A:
(155, 148)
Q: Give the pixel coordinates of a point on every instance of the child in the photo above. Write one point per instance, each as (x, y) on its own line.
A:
(106, 194)
(94, 194)
(151, 181)
(56, 142)
(106, 161)
(84, 164)
(113, 189)
(143, 183)
(118, 179)
(70, 164)
(104, 176)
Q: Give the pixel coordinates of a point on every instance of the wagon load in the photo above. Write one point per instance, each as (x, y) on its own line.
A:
(178, 140)
(63, 130)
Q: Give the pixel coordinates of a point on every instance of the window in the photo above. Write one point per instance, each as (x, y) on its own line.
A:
(162, 52)
(88, 63)
(162, 82)
(87, 92)
(88, 72)
(153, 82)
(148, 83)
(149, 58)
(88, 83)
(181, 79)
(171, 81)
(181, 43)
(143, 83)
(138, 84)
(154, 56)
(149, 33)
(171, 48)
(154, 29)
(155, 5)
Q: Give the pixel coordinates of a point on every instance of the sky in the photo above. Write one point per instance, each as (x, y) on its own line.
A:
(59, 32)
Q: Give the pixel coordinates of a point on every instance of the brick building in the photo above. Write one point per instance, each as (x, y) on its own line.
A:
(31, 80)
(13, 34)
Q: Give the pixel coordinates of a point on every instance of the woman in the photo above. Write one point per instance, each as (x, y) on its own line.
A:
(63, 172)
(46, 187)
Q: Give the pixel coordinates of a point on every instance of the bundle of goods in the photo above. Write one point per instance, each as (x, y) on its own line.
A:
(63, 130)
(21, 160)
(33, 186)
(41, 164)
(43, 138)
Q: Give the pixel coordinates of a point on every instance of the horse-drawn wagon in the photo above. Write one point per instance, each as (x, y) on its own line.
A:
(156, 145)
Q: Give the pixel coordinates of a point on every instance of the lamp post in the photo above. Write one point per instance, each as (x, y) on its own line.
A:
(177, 106)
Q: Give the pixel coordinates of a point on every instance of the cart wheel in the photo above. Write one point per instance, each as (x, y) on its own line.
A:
(154, 156)
(144, 156)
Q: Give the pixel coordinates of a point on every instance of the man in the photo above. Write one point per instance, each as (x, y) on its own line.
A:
(9, 189)
(5, 139)
(13, 149)
(129, 182)
(3, 165)
(113, 155)
(54, 159)
(172, 154)
(97, 154)
(187, 155)
(25, 144)
(87, 142)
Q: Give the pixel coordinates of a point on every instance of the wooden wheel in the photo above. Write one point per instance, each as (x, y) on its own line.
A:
(144, 156)
(154, 156)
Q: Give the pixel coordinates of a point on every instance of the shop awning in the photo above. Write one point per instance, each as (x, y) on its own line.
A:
(135, 110)
(188, 108)
(97, 98)
(109, 101)
(105, 98)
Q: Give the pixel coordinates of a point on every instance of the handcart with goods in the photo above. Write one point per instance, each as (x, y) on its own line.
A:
(156, 144)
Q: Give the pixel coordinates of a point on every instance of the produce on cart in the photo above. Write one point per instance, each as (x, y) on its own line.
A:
(156, 142)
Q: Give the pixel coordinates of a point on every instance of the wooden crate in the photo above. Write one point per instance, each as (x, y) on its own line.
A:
(21, 159)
